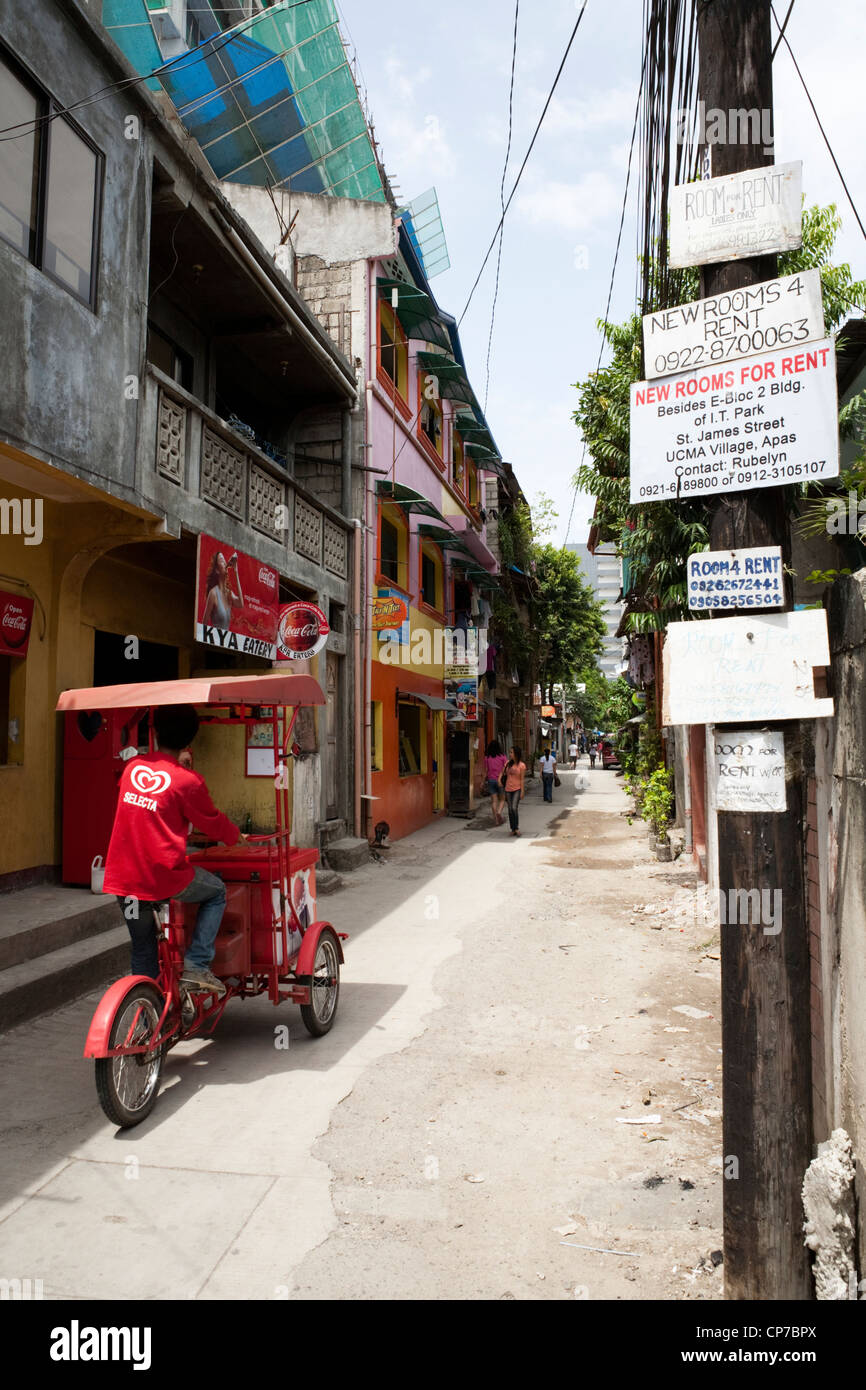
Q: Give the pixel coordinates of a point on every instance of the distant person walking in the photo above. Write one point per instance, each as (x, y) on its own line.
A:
(548, 771)
(592, 755)
(494, 764)
(572, 753)
(513, 779)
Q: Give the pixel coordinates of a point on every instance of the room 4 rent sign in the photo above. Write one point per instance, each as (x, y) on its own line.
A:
(765, 421)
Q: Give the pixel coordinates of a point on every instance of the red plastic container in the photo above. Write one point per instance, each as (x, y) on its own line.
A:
(249, 868)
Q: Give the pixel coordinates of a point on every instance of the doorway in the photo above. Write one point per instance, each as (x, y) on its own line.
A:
(458, 781)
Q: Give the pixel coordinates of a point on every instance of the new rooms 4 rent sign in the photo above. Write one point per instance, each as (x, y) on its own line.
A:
(762, 421)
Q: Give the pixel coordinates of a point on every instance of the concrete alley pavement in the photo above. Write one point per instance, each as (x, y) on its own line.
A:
(526, 1054)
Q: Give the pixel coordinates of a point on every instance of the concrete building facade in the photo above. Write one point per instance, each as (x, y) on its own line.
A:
(603, 571)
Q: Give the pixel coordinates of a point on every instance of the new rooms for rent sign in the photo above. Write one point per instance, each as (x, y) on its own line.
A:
(764, 421)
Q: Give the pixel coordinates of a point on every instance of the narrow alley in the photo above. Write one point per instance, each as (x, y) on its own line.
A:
(520, 1097)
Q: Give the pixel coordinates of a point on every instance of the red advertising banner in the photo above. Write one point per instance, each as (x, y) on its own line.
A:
(16, 615)
(303, 630)
(237, 601)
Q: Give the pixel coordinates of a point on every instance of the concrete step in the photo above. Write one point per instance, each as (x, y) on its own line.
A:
(327, 882)
(38, 920)
(331, 830)
(51, 979)
(348, 854)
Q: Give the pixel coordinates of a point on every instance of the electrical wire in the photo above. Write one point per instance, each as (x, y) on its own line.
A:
(502, 200)
(782, 29)
(23, 128)
(525, 161)
(783, 36)
(613, 270)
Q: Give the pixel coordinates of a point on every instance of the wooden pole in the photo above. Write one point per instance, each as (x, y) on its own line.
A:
(766, 1061)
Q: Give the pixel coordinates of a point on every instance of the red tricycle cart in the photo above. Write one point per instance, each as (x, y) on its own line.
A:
(269, 940)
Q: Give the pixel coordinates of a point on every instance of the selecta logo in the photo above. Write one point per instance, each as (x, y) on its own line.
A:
(148, 782)
(302, 632)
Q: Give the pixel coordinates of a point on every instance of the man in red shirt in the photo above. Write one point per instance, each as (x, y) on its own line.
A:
(146, 862)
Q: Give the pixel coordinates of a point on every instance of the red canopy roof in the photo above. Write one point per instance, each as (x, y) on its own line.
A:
(269, 688)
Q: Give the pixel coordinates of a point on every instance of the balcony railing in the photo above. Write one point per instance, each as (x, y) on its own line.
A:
(198, 452)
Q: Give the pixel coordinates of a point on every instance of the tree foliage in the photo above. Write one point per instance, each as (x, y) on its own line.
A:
(568, 627)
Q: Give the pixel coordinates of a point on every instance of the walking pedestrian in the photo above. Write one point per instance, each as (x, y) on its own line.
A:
(572, 753)
(494, 763)
(548, 772)
(592, 755)
(513, 778)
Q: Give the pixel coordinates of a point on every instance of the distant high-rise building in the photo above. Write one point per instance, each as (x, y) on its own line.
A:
(603, 572)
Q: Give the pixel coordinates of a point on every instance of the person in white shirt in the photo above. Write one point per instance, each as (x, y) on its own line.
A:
(548, 772)
(572, 753)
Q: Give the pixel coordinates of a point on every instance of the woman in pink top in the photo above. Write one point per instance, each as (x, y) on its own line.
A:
(515, 774)
(494, 762)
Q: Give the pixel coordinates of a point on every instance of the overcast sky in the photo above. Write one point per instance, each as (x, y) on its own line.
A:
(437, 78)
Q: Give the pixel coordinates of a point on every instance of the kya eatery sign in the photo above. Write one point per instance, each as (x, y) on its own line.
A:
(16, 616)
(302, 632)
(237, 601)
(764, 421)
(751, 213)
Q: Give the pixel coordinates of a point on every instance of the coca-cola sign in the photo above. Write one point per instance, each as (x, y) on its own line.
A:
(16, 615)
(303, 630)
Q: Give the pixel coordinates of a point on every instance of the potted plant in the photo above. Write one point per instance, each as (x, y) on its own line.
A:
(658, 800)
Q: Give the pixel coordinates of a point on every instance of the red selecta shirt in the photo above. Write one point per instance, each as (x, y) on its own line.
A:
(156, 801)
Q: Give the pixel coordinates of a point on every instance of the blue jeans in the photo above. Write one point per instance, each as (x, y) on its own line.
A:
(203, 888)
(547, 784)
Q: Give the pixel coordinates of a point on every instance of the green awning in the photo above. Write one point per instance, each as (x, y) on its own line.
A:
(453, 381)
(445, 539)
(417, 312)
(407, 498)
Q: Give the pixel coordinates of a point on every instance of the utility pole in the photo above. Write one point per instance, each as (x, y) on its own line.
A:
(766, 1062)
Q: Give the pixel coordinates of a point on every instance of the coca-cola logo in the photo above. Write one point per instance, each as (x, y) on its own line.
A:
(303, 631)
(15, 623)
(268, 577)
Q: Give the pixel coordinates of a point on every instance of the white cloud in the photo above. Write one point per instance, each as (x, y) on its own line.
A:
(571, 207)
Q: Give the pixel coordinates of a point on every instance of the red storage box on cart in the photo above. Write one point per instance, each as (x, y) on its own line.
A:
(252, 902)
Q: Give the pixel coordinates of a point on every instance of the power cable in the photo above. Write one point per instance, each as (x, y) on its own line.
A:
(213, 47)
(782, 29)
(612, 274)
(782, 35)
(525, 161)
(502, 200)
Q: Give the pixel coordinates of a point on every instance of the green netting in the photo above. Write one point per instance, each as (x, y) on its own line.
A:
(129, 25)
(273, 102)
(416, 312)
(453, 381)
(446, 540)
(407, 498)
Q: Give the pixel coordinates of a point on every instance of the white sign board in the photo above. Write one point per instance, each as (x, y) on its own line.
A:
(750, 770)
(763, 422)
(752, 213)
(759, 318)
(735, 670)
(750, 578)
